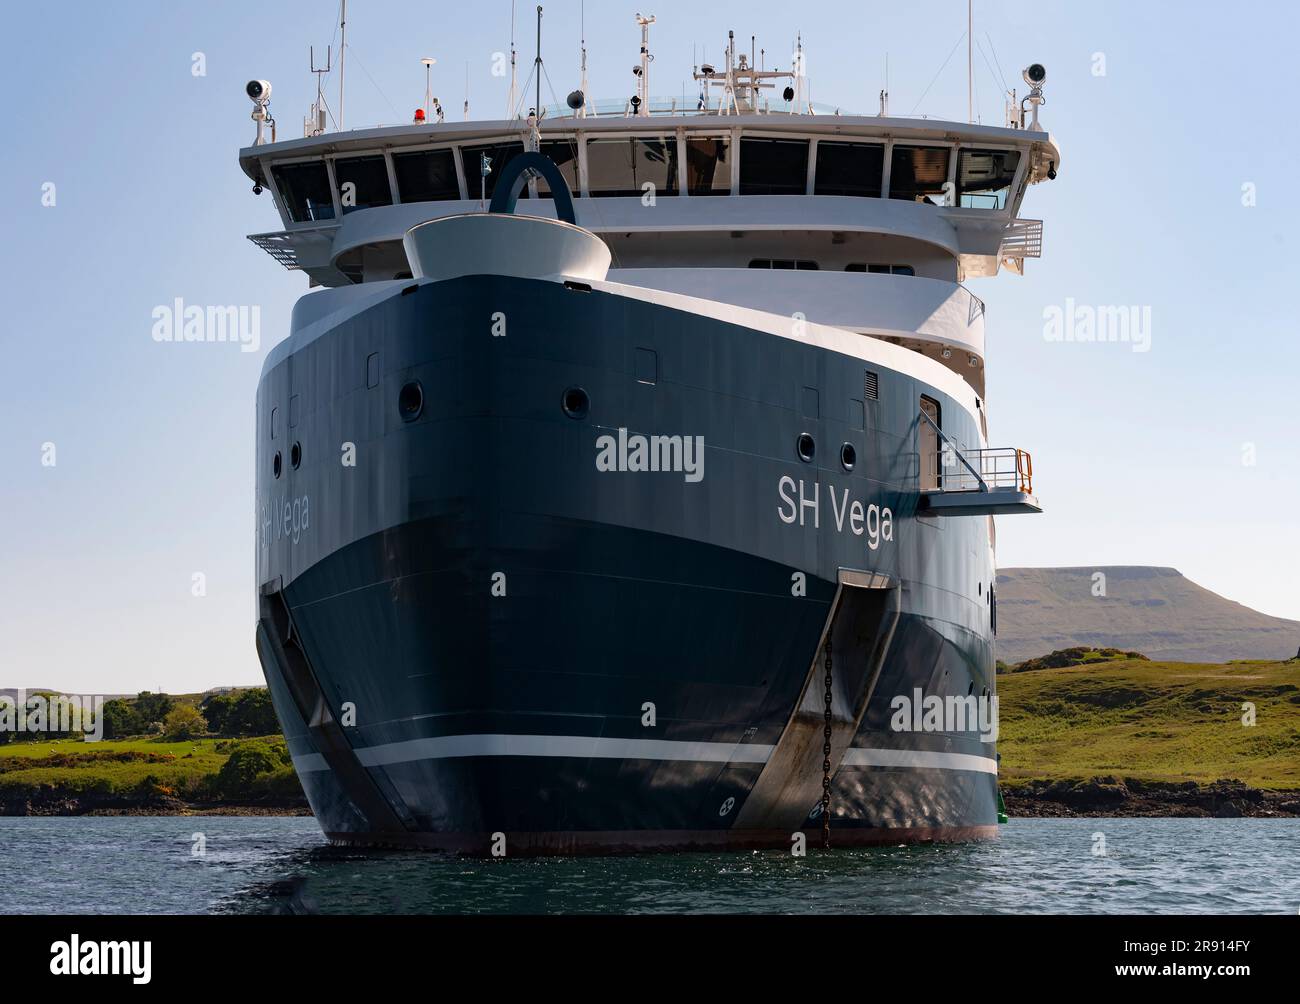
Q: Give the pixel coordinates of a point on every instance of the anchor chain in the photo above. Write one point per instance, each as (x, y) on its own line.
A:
(826, 754)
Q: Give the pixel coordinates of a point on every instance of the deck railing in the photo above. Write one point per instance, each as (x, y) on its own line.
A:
(985, 470)
(955, 469)
(1022, 239)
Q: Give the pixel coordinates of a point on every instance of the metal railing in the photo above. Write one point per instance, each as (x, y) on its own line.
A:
(953, 469)
(1022, 239)
(280, 247)
(995, 468)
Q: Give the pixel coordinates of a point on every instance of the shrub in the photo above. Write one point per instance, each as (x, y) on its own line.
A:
(183, 722)
(247, 762)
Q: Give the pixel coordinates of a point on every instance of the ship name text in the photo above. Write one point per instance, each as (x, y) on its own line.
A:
(802, 504)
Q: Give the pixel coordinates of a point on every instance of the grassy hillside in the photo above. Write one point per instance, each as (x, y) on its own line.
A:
(1156, 611)
(1157, 721)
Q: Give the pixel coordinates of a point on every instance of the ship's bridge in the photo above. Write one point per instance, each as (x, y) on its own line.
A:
(864, 222)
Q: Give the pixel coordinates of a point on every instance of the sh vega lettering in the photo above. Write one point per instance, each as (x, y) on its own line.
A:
(801, 504)
(288, 519)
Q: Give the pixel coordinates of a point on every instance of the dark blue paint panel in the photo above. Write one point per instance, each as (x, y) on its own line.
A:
(621, 588)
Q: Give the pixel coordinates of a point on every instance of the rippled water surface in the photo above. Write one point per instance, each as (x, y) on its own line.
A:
(282, 865)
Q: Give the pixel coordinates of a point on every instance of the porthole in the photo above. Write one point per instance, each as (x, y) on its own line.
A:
(295, 455)
(575, 402)
(275, 464)
(410, 401)
(848, 456)
(806, 448)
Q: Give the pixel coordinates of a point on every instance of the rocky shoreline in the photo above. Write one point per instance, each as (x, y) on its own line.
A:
(47, 802)
(1111, 796)
(1096, 796)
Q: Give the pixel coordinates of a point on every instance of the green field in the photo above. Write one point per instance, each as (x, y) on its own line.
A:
(144, 771)
(1129, 718)
(1157, 721)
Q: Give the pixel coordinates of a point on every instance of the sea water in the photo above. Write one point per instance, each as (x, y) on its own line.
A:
(232, 864)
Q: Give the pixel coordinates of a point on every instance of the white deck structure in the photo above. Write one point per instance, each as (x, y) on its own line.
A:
(869, 224)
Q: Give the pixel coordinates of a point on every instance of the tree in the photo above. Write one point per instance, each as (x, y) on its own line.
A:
(120, 719)
(183, 722)
(152, 707)
(253, 714)
(218, 710)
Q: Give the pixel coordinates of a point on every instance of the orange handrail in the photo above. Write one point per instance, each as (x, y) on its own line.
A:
(1025, 470)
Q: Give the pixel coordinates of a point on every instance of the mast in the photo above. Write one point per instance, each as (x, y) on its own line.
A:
(428, 62)
(970, 73)
(317, 123)
(582, 112)
(514, 77)
(343, 48)
(537, 67)
(884, 91)
(643, 77)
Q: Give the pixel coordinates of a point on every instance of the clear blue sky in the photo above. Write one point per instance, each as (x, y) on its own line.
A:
(1138, 457)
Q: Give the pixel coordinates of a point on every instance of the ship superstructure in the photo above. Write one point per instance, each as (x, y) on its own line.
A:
(632, 472)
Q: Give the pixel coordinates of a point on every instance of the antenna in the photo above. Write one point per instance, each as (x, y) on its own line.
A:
(582, 85)
(970, 71)
(884, 94)
(315, 124)
(428, 62)
(343, 48)
(798, 73)
(729, 86)
(514, 78)
(537, 67)
(467, 90)
(642, 71)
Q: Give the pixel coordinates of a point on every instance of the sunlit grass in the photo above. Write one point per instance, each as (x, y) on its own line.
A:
(1159, 721)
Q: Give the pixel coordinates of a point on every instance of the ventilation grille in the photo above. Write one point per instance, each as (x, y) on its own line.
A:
(871, 386)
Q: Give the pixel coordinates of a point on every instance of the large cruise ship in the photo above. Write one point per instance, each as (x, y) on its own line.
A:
(626, 484)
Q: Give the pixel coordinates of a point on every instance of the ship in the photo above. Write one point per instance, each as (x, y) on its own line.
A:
(623, 483)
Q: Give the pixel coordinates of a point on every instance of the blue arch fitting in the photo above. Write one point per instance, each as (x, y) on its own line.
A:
(514, 176)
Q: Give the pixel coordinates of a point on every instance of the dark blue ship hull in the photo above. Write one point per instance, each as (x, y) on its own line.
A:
(478, 640)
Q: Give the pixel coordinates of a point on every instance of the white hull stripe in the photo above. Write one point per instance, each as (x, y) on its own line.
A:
(582, 747)
(920, 758)
(606, 748)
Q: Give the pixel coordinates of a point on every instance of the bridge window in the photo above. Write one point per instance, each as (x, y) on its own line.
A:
(363, 183)
(849, 169)
(918, 173)
(802, 265)
(773, 166)
(620, 167)
(499, 155)
(859, 266)
(305, 189)
(984, 177)
(708, 168)
(426, 176)
(565, 154)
